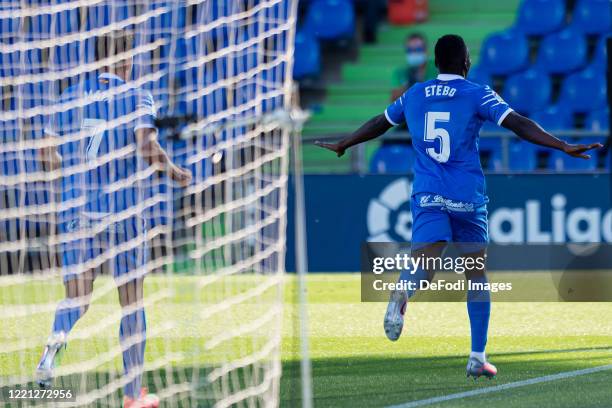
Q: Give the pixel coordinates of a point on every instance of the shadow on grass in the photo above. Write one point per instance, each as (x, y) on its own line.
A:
(378, 382)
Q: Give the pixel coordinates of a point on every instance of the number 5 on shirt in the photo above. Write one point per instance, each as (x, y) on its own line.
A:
(432, 132)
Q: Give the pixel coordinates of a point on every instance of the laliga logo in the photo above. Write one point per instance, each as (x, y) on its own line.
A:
(389, 217)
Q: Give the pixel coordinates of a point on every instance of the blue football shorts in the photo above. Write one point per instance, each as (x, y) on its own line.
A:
(120, 246)
(436, 218)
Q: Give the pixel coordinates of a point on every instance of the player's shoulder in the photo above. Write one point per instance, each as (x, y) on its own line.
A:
(476, 88)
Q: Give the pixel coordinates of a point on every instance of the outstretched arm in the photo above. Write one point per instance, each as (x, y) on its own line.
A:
(372, 129)
(150, 149)
(530, 131)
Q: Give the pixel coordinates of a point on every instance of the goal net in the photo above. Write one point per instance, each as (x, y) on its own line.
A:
(219, 76)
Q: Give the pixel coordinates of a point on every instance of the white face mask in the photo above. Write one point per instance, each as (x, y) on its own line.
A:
(416, 59)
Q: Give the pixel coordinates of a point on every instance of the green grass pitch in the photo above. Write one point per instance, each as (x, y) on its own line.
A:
(354, 365)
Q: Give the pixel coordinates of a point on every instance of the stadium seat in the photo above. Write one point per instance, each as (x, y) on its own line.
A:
(479, 75)
(161, 25)
(331, 19)
(522, 156)
(560, 161)
(539, 17)
(528, 91)
(33, 61)
(592, 16)
(554, 118)
(562, 52)
(102, 15)
(272, 76)
(10, 64)
(504, 53)
(9, 30)
(584, 91)
(393, 159)
(598, 120)
(38, 27)
(65, 56)
(490, 149)
(66, 22)
(600, 59)
(307, 55)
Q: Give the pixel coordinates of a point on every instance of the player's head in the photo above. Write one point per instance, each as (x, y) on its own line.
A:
(116, 44)
(452, 56)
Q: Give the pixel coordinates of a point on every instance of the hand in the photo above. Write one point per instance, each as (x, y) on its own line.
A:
(578, 150)
(334, 147)
(181, 176)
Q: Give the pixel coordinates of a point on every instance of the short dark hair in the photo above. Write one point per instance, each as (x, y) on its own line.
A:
(451, 54)
(114, 43)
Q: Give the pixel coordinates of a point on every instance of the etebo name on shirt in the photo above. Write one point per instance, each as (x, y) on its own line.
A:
(439, 90)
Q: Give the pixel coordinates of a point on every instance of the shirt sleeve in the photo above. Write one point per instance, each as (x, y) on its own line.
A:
(145, 106)
(491, 106)
(395, 112)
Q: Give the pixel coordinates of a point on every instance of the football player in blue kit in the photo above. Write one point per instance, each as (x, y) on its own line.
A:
(449, 203)
(105, 136)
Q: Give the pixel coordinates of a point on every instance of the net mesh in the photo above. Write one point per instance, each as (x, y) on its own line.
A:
(213, 252)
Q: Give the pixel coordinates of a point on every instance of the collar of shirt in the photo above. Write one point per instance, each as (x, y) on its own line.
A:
(449, 77)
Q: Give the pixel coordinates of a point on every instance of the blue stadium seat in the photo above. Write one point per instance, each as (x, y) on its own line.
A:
(598, 120)
(560, 161)
(10, 64)
(392, 158)
(538, 17)
(562, 52)
(161, 25)
(504, 53)
(33, 62)
(66, 21)
(584, 91)
(528, 91)
(554, 118)
(65, 56)
(38, 27)
(600, 59)
(9, 30)
(522, 156)
(331, 19)
(307, 55)
(490, 149)
(592, 16)
(479, 75)
(102, 15)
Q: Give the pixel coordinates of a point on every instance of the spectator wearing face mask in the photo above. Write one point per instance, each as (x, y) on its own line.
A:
(416, 65)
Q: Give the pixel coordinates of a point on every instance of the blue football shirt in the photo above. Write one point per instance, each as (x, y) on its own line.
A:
(96, 122)
(444, 117)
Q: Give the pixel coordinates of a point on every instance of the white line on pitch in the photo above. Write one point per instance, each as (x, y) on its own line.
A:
(502, 387)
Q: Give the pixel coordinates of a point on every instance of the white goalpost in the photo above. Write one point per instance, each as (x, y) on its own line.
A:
(219, 73)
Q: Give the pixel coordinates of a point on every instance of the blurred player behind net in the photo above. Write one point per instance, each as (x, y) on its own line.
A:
(449, 202)
(102, 143)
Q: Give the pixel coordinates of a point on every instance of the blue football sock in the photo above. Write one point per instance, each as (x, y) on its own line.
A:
(416, 277)
(479, 310)
(132, 336)
(66, 315)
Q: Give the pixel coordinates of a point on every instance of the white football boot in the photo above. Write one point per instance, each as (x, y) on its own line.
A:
(394, 317)
(44, 370)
